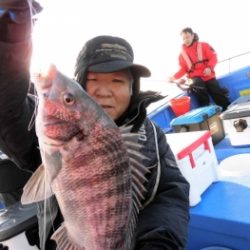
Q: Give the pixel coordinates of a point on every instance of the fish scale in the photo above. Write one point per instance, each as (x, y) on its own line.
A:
(112, 206)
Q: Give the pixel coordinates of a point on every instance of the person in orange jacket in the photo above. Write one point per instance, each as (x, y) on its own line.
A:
(197, 61)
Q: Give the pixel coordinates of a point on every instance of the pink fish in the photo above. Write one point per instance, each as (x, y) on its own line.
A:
(92, 166)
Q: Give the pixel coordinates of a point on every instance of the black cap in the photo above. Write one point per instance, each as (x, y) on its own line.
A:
(106, 54)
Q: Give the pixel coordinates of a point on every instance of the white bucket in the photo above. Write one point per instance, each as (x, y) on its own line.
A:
(236, 169)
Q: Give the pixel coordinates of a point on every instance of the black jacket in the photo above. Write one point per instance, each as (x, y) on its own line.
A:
(163, 221)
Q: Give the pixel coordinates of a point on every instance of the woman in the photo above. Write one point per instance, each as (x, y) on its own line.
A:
(197, 61)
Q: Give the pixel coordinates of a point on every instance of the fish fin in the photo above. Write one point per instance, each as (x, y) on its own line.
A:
(48, 71)
(138, 171)
(60, 236)
(36, 189)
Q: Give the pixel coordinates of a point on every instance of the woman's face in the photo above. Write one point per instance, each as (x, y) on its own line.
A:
(111, 90)
(187, 38)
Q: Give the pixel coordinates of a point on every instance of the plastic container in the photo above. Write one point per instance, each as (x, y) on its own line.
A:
(203, 118)
(236, 121)
(180, 105)
(196, 159)
(236, 169)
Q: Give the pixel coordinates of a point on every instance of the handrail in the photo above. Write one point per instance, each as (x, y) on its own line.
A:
(229, 59)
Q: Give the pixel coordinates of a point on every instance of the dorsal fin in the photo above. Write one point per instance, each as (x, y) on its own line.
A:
(36, 189)
(138, 172)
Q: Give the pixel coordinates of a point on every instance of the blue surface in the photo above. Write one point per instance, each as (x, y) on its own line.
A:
(163, 117)
(236, 81)
(1, 205)
(222, 218)
(224, 149)
(196, 116)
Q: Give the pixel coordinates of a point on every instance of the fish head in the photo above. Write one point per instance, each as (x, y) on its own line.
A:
(65, 111)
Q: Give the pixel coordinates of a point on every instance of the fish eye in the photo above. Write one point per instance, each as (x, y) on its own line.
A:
(68, 99)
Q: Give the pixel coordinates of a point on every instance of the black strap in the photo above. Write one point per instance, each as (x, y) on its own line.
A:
(194, 63)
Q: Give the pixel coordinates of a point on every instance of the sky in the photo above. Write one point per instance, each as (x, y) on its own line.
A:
(152, 27)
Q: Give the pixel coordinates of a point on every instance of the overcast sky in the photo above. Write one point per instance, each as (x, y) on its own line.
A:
(151, 26)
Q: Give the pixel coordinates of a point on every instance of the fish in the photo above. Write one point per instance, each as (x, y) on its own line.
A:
(93, 167)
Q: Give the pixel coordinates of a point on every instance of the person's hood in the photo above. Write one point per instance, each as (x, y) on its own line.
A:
(137, 110)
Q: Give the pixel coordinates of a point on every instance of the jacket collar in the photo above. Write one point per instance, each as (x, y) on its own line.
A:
(136, 113)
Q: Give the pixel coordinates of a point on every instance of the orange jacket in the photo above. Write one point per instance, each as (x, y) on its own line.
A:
(194, 59)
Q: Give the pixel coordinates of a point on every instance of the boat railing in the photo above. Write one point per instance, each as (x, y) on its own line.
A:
(232, 63)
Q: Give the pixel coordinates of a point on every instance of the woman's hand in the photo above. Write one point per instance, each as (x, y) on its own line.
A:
(207, 71)
(171, 79)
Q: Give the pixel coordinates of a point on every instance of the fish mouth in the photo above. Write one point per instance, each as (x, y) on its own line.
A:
(59, 131)
(52, 143)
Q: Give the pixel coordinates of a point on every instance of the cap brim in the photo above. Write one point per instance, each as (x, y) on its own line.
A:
(113, 66)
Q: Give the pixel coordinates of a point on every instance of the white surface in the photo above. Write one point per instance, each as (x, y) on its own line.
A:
(236, 169)
(237, 138)
(203, 174)
(19, 242)
(179, 141)
(154, 34)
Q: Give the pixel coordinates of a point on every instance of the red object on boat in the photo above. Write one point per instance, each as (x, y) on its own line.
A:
(180, 105)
